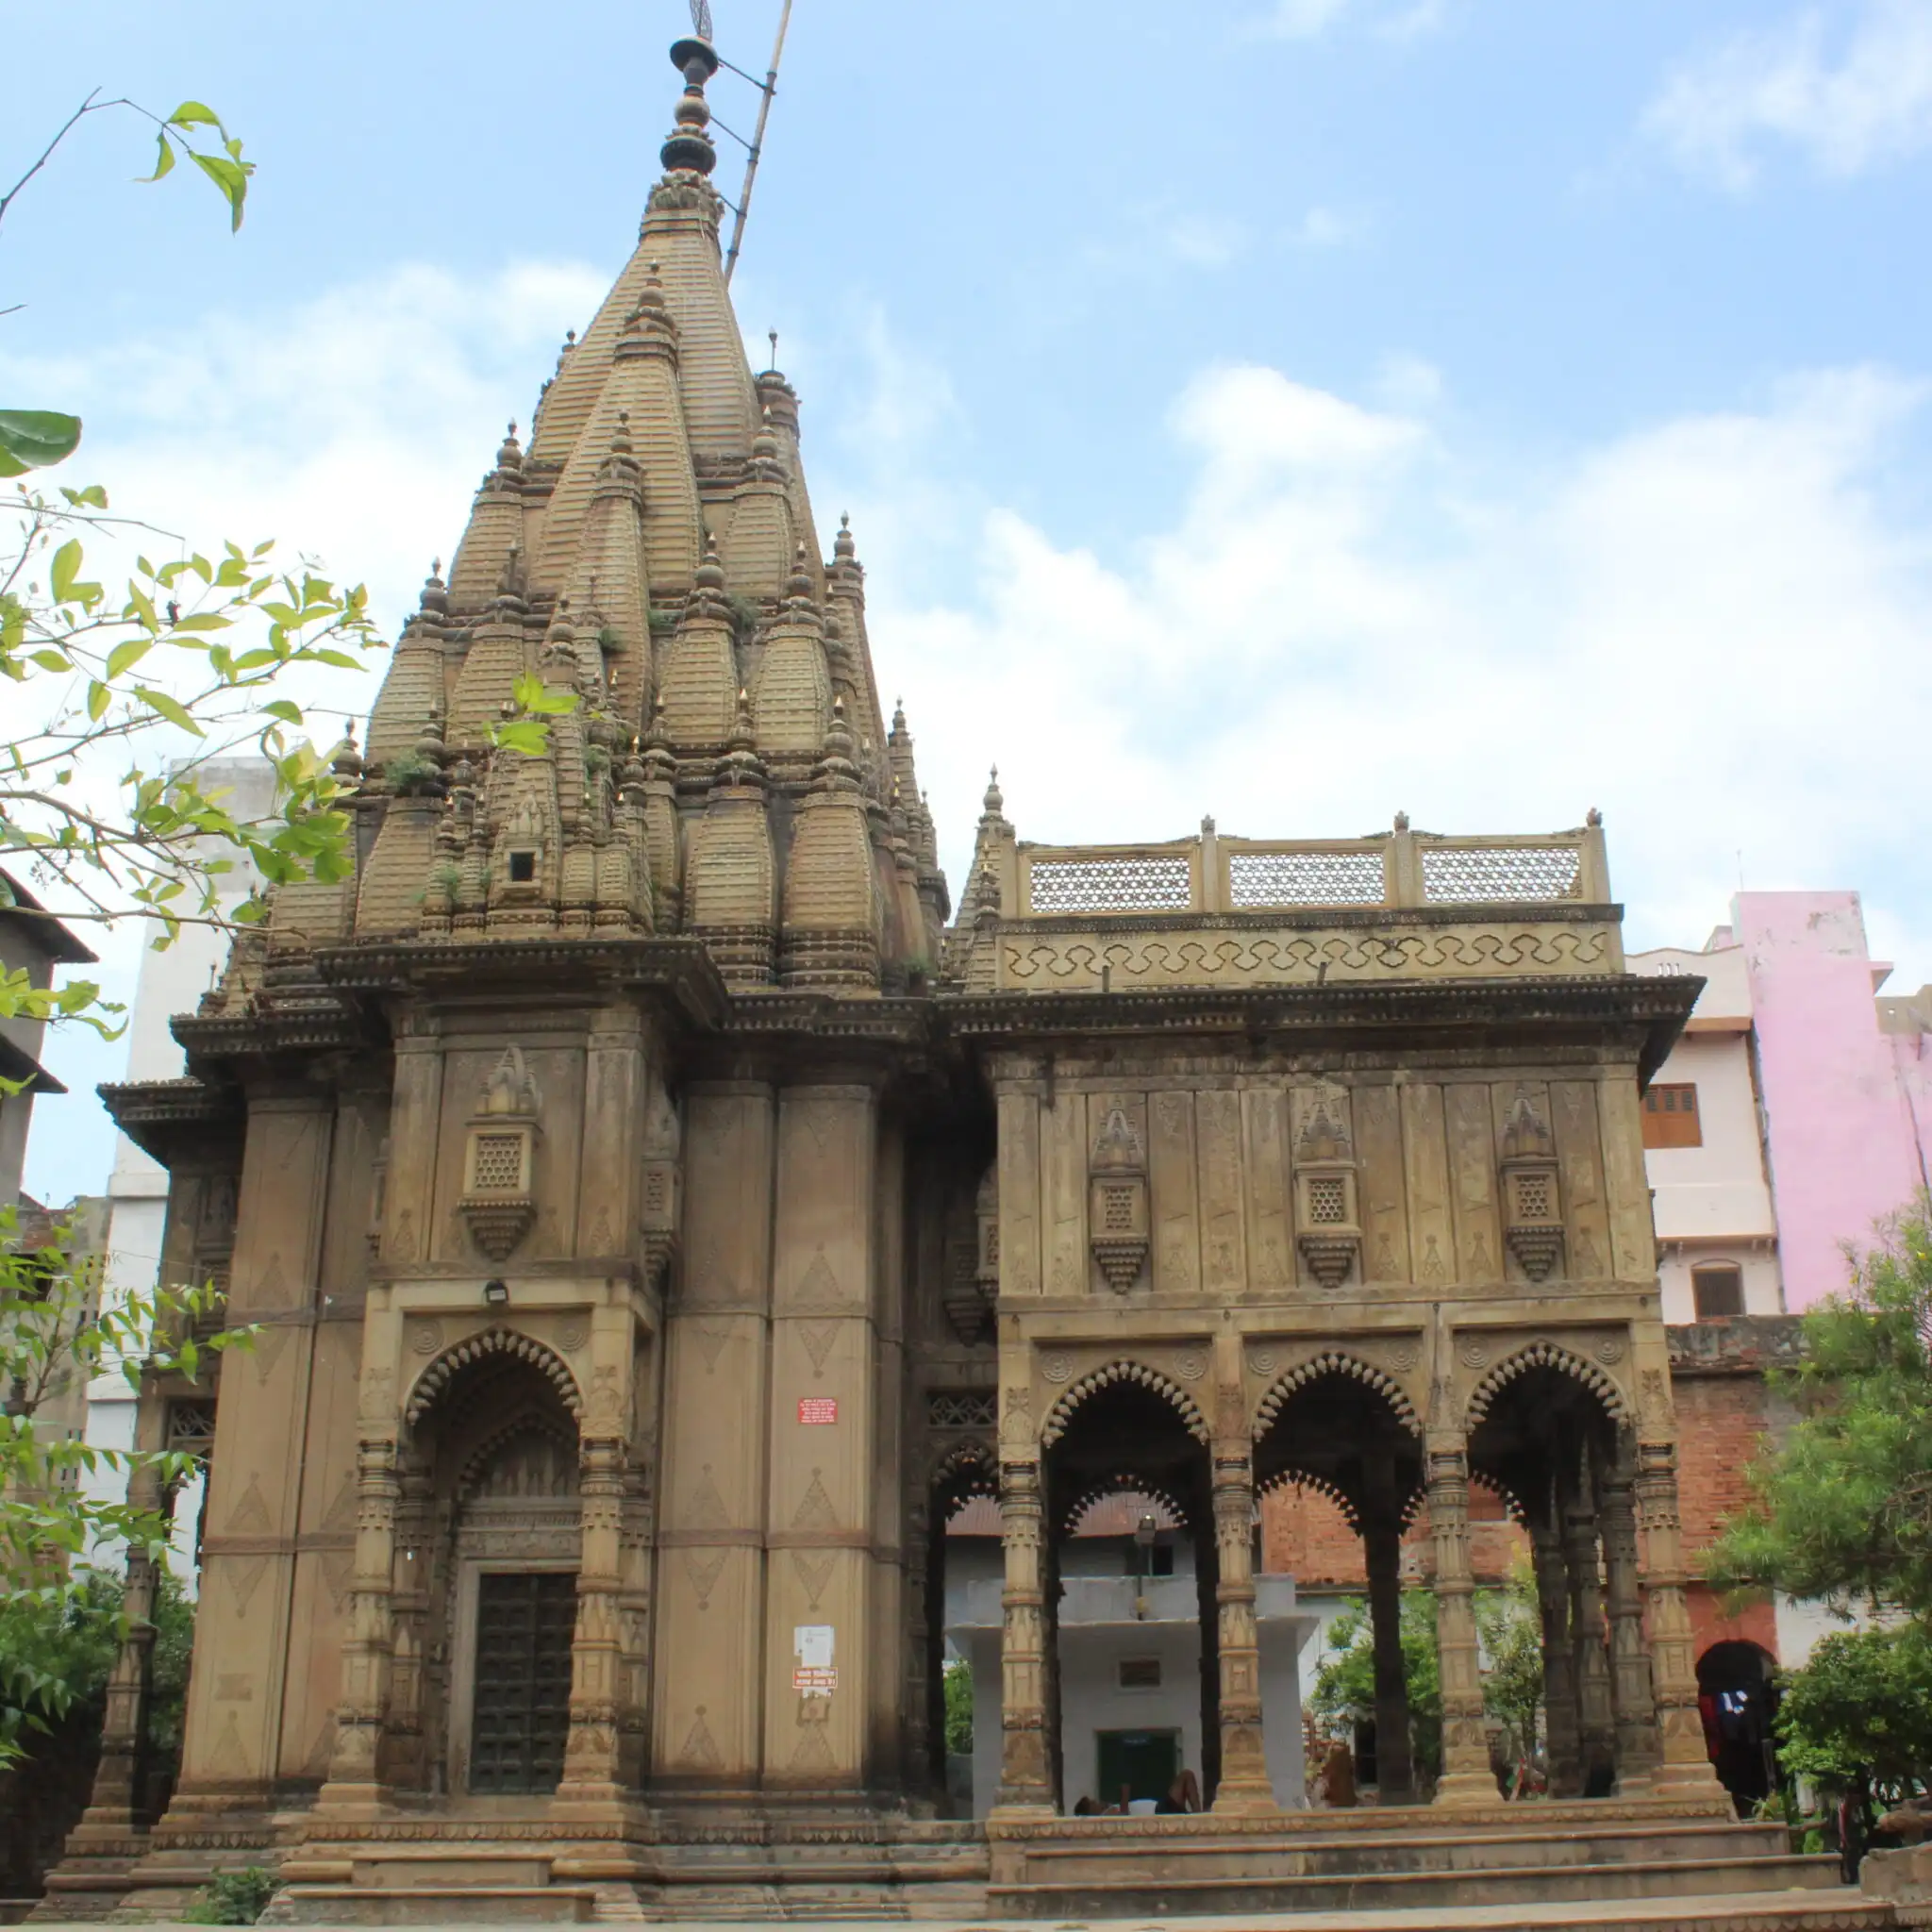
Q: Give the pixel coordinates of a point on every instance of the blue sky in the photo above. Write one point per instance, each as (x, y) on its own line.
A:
(1483, 408)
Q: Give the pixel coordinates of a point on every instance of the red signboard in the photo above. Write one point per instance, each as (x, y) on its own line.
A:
(819, 1682)
(817, 1411)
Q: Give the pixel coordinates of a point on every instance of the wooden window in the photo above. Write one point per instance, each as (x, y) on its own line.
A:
(1140, 1673)
(1717, 1288)
(1671, 1118)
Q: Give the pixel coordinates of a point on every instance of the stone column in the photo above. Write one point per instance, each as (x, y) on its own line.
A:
(1630, 1692)
(1562, 1744)
(407, 1741)
(357, 1765)
(1596, 1735)
(1244, 1786)
(1685, 1769)
(590, 1777)
(113, 1809)
(1026, 1772)
(1467, 1779)
(1382, 1558)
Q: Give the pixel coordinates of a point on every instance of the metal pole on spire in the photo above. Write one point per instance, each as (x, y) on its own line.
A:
(769, 87)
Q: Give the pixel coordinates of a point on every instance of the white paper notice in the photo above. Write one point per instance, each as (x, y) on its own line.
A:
(813, 1643)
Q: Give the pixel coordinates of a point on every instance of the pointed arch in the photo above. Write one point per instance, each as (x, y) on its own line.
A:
(1547, 1354)
(1336, 1362)
(1089, 1385)
(435, 1380)
(476, 1465)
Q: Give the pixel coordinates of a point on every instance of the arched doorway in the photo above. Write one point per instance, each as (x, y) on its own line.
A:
(963, 1574)
(1550, 1435)
(489, 1533)
(1344, 1430)
(1132, 1651)
(1737, 1698)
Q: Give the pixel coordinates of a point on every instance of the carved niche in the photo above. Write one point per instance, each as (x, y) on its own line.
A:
(498, 1200)
(1327, 1217)
(1532, 1208)
(971, 1260)
(663, 1181)
(1117, 1212)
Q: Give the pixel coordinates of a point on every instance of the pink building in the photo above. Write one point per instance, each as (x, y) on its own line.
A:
(1793, 1115)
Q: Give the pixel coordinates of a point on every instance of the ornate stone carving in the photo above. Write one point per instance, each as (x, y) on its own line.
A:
(1117, 1203)
(973, 1265)
(1328, 1218)
(499, 1201)
(661, 1184)
(1532, 1208)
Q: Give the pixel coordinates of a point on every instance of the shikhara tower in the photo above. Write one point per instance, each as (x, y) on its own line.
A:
(657, 1222)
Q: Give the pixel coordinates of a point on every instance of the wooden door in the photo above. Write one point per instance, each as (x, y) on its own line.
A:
(524, 1622)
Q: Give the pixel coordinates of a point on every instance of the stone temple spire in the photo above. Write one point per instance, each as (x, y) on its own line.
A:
(649, 546)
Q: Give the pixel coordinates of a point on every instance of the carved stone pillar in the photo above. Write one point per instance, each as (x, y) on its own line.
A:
(634, 1624)
(1562, 1742)
(591, 1772)
(1596, 1734)
(358, 1762)
(1025, 1770)
(1630, 1691)
(1382, 1556)
(406, 1741)
(113, 1809)
(1467, 1779)
(1243, 1785)
(1685, 1768)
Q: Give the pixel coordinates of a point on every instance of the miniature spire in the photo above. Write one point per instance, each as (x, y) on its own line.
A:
(843, 547)
(995, 805)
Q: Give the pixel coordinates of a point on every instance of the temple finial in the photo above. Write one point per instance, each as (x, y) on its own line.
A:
(688, 147)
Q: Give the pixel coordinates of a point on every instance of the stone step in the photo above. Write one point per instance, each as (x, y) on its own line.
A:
(1102, 1857)
(1522, 1885)
(432, 1904)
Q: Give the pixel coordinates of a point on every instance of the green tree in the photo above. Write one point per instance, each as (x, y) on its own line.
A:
(959, 1692)
(1858, 1717)
(1843, 1506)
(1345, 1680)
(1509, 1626)
(61, 1616)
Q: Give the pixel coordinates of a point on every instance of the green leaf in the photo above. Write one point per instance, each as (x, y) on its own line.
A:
(164, 160)
(124, 657)
(66, 563)
(97, 697)
(193, 114)
(34, 439)
(171, 709)
(93, 497)
(231, 178)
(52, 660)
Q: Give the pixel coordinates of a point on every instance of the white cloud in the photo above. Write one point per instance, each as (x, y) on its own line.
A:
(1307, 20)
(1851, 100)
(1324, 228)
(1696, 627)
(1297, 20)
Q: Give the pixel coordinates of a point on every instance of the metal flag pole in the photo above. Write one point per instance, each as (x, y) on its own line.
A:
(768, 88)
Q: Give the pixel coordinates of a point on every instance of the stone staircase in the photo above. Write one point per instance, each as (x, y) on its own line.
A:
(1401, 1861)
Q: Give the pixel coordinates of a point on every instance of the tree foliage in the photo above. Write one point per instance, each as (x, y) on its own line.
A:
(1510, 1626)
(958, 1693)
(56, 1335)
(1842, 1508)
(1346, 1679)
(1858, 1715)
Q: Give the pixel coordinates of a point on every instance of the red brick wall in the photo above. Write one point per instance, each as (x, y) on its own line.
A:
(1721, 1427)
(1308, 1536)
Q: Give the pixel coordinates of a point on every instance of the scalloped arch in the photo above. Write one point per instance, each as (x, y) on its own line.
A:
(975, 1460)
(524, 1424)
(1099, 1490)
(1061, 1413)
(1547, 1354)
(1321, 1485)
(1334, 1361)
(436, 1378)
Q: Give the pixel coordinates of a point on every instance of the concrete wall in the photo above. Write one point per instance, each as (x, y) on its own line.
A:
(1847, 1104)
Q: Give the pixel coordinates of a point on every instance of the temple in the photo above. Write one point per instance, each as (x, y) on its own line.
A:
(660, 1216)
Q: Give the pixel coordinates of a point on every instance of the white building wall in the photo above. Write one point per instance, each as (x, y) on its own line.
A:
(169, 983)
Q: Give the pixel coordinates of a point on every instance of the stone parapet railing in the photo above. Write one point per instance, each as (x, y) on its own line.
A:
(1400, 869)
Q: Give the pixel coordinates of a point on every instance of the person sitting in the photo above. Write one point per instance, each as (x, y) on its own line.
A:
(1338, 1777)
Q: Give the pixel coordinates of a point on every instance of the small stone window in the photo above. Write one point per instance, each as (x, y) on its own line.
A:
(1717, 1291)
(1671, 1116)
(497, 1164)
(1328, 1200)
(1117, 1210)
(522, 868)
(1140, 1673)
(1533, 1197)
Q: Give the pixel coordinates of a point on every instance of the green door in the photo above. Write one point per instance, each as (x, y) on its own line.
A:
(1147, 1762)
